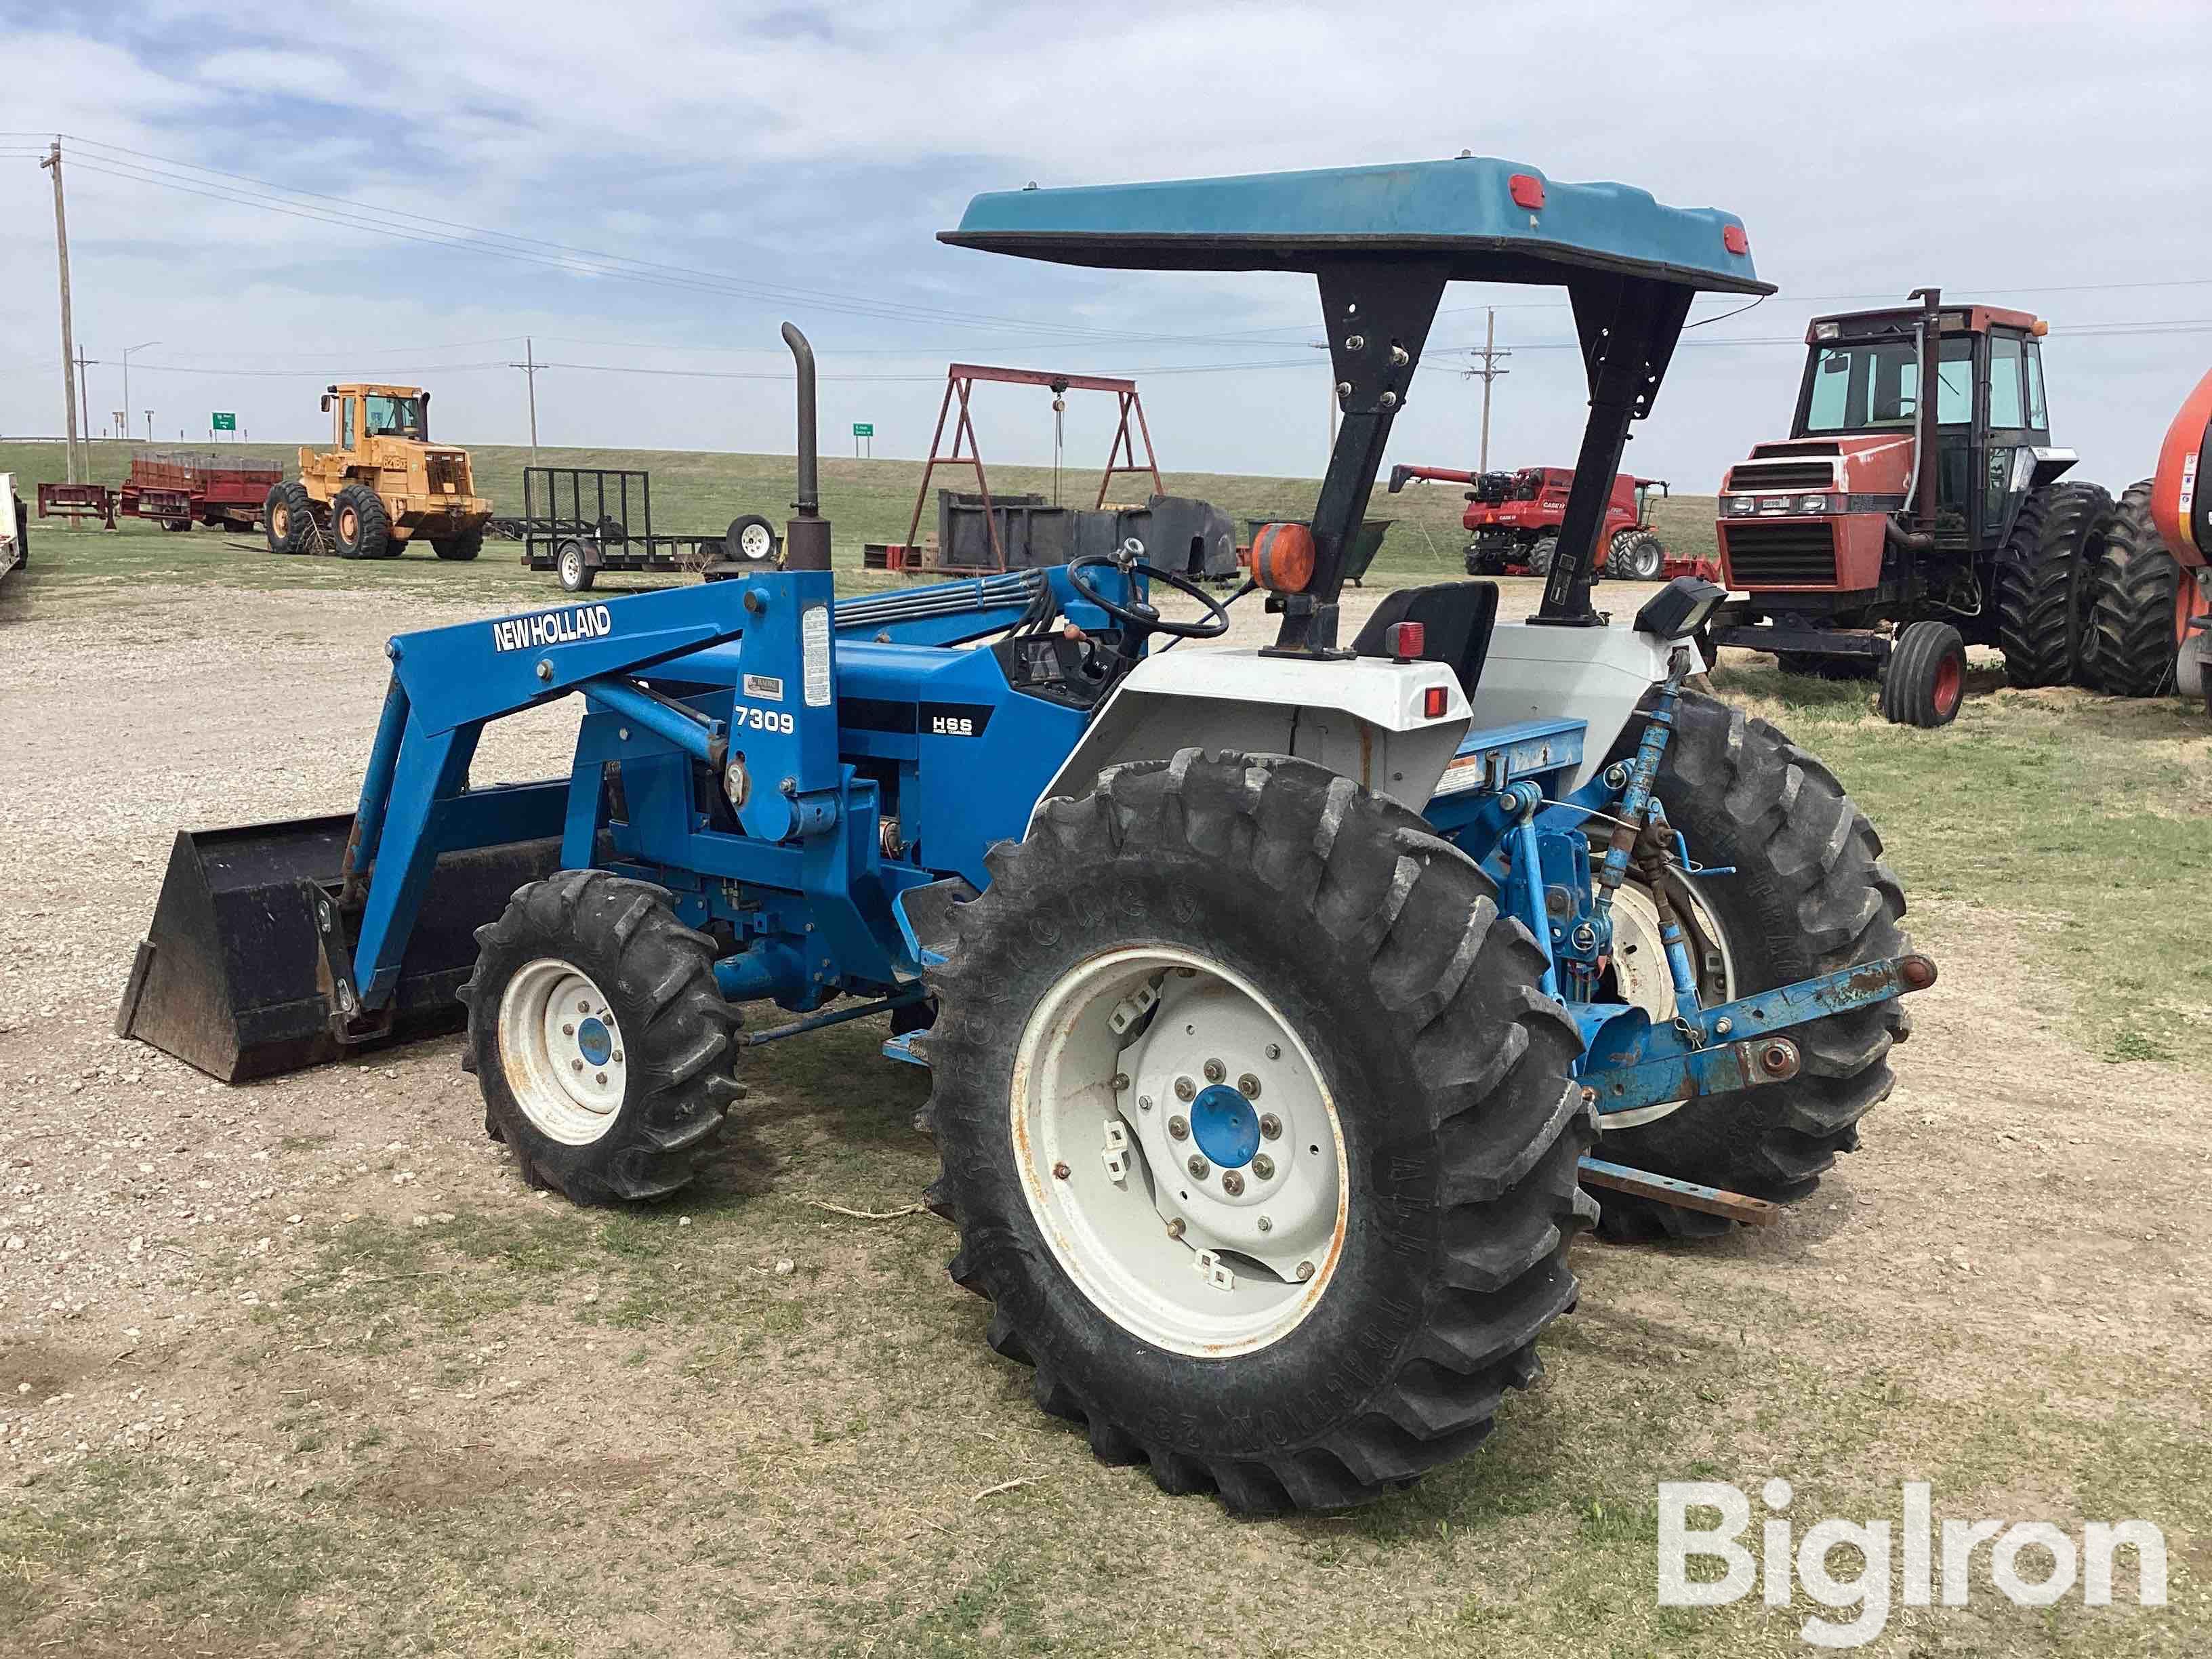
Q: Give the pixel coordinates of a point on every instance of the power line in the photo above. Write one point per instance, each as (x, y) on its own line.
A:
(295, 202)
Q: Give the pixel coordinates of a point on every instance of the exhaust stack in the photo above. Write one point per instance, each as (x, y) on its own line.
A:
(806, 538)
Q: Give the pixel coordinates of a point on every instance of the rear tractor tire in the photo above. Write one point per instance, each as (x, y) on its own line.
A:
(2140, 600)
(1926, 680)
(1810, 895)
(2043, 581)
(1257, 1130)
(287, 518)
(605, 1053)
(461, 547)
(360, 527)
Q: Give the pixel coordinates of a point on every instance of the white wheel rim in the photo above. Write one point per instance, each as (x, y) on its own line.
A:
(1181, 1260)
(1642, 979)
(562, 1051)
(755, 540)
(571, 567)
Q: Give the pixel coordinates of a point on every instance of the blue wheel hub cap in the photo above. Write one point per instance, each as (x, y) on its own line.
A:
(593, 1039)
(1225, 1126)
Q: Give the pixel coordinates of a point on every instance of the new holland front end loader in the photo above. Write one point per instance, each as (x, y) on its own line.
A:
(1283, 1007)
(384, 486)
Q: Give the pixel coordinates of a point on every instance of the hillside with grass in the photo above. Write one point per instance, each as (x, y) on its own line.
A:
(870, 501)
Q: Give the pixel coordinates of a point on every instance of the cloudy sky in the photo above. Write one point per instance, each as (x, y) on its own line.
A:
(277, 195)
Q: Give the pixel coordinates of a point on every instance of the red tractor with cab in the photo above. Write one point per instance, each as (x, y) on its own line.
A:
(1514, 517)
(1893, 529)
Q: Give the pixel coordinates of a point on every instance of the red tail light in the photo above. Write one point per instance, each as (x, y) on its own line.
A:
(1433, 703)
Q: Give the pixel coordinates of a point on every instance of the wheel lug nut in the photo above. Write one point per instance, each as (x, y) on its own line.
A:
(568, 1030)
(617, 1056)
(583, 1007)
(1263, 1168)
(1175, 1228)
(602, 1079)
(1060, 1172)
(1120, 1081)
(1305, 1271)
(1232, 1184)
(1185, 1089)
(1215, 1071)
(1274, 1051)
(1271, 1126)
(1266, 1225)
(1144, 1103)
(1249, 1086)
(1178, 1128)
(1199, 1168)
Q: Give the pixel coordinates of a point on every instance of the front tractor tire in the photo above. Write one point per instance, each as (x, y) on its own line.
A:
(1257, 1130)
(360, 527)
(1542, 552)
(1926, 679)
(287, 517)
(1809, 894)
(2043, 581)
(461, 546)
(605, 1054)
(1636, 556)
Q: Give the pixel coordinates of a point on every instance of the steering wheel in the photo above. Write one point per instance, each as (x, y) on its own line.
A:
(1136, 613)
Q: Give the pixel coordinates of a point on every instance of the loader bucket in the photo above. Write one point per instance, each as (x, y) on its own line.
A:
(231, 977)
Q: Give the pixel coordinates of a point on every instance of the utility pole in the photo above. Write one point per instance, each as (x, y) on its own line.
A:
(1489, 371)
(1322, 345)
(529, 365)
(122, 424)
(84, 405)
(53, 164)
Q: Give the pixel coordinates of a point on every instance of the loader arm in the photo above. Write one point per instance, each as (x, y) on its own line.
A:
(447, 683)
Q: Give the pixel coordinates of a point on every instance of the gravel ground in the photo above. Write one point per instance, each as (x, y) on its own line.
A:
(325, 1313)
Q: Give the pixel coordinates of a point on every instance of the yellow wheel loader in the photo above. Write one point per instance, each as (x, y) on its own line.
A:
(385, 484)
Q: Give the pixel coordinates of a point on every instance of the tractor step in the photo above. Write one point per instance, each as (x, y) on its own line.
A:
(234, 977)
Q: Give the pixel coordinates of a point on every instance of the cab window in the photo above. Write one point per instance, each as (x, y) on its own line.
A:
(2006, 358)
(346, 406)
(2037, 417)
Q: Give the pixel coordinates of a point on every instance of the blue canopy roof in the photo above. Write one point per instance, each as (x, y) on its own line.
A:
(1463, 211)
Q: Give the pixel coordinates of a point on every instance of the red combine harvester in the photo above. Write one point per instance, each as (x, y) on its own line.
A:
(1515, 517)
(1892, 530)
(179, 489)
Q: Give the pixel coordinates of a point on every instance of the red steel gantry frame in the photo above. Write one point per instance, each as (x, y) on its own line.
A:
(960, 381)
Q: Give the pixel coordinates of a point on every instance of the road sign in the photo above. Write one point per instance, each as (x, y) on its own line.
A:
(864, 428)
(222, 420)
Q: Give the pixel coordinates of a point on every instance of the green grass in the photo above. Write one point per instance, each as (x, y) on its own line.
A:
(2085, 822)
(870, 501)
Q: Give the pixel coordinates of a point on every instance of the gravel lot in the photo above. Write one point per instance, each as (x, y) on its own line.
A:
(301, 1367)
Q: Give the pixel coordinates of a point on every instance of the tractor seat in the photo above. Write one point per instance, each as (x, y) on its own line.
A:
(1457, 616)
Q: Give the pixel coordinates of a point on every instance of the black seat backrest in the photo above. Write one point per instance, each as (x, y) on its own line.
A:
(1457, 616)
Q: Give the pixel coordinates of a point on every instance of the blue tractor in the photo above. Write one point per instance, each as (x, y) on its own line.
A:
(1282, 1005)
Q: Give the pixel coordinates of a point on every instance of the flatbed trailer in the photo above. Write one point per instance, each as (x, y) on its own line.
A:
(180, 488)
(579, 520)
